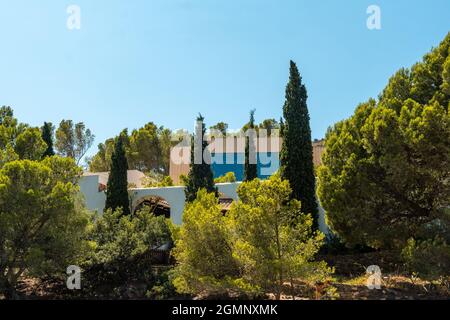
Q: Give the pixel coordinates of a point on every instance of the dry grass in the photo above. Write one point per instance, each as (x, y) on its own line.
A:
(348, 283)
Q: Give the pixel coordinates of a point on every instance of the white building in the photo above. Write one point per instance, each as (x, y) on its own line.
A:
(93, 187)
(169, 199)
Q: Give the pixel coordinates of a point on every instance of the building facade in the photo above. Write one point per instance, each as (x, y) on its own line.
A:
(230, 157)
(171, 200)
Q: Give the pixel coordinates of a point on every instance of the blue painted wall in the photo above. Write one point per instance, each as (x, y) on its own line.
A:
(268, 164)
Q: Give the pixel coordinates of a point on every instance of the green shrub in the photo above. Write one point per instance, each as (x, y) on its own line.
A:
(202, 250)
(153, 180)
(261, 244)
(163, 287)
(42, 224)
(228, 177)
(272, 240)
(385, 170)
(122, 246)
(429, 259)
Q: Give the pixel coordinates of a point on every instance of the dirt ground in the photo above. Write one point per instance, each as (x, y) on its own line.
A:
(349, 283)
(351, 279)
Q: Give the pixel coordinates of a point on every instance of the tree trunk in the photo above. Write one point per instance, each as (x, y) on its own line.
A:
(280, 285)
(292, 284)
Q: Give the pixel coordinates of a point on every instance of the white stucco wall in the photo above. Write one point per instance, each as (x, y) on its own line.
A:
(175, 196)
(229, 189)
(94, 199)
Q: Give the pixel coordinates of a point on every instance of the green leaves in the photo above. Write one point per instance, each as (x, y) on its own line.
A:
(272, 240)
(202, 248)
(296, 155)
(200, 174)
(121, 237)
(29, 144)
(250, 166)
(22, 142)
(117, 189)
(47, 135)
(120, 246)
(263, 241)
(430, 259)
(385, 172)
(73, 140)
(41, 224)
(147, 149)
(227, 177)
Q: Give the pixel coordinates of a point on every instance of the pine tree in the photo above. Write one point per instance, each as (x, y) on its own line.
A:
(47, 136)
(200, 175)
(297, 153)
(250, 167)
(117, 189)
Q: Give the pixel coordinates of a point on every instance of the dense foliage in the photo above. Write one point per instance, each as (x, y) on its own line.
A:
(220, 127)
(147, 149)
(121, 254)
(117, 188)
(296, 157)
(18, 140)
(42, 224)
(10, 128)
(227, 177)
(429, 259)
(250, 165)
(385, 176)
(200, 174)
(272, 240)
(202, 250)
(159, 181)
(47, 131)
(73, 140)
(30, 145)
(263, 242)
(270, 125)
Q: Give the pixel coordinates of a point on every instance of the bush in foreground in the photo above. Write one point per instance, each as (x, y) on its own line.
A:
(385, 174)
(121, 255)
(272, 240)
(42, 225)
(202, 249)
(263, 244)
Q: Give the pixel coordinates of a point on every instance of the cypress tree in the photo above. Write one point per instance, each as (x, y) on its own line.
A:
(200, 174)
(250, 166)
(297, 152)
(47, 136)
(117, 189)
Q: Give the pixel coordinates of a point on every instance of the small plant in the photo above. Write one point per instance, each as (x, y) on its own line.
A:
(228, 177)
(325, 291)
(429, 259)
(162, 288)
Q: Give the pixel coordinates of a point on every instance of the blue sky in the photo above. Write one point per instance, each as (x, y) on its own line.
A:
(166, 60)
